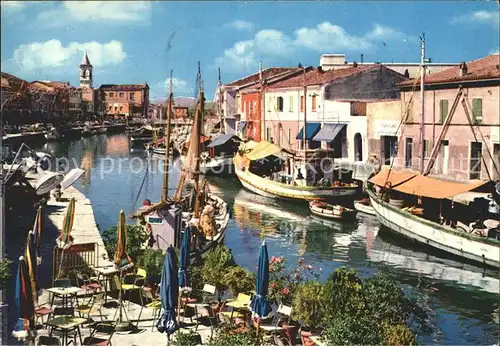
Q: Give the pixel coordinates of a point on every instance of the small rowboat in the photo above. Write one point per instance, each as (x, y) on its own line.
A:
(364, 206)
(331, 211)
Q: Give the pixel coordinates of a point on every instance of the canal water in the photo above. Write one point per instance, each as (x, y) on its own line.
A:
(459, 298)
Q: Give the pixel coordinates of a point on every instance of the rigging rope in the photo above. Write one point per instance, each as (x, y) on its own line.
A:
(142, 184)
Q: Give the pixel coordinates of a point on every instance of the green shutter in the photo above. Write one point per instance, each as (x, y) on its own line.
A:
(443, 108)
(477, 110)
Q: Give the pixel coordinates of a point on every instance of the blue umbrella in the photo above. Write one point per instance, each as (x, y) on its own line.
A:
(169, 293)
(24, 301)
(184, 258)
(260, 305)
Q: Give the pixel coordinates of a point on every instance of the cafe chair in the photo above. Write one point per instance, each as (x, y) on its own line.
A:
(48, 341)
(127, 287)
(100, 335)
(283, 312)
(86, 283)
(95, 305)
(151, 302)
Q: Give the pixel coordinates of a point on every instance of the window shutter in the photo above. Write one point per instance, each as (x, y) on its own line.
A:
(477, 110)
(443, 106)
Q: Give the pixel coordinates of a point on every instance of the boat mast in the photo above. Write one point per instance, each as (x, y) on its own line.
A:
(219, 104)
(422, 102)
(305, 120)
(164, 196)
(199, 86)
(262, 103)
(201, 109)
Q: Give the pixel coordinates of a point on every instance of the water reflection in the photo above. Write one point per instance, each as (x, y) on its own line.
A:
(460, 298)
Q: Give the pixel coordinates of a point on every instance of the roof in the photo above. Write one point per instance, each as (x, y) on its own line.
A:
(222, 139)
(317, 76)
(12, 78)
(5, 83)
(86, 60)
(124, 87)
(481, 69)
(267, 73)
(391, 177)
(419, 185)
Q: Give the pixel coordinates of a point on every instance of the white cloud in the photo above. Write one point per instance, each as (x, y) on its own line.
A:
(240, 24)
(52, 53)
(179, 87)
(329, 37)
(482, 17)
(325, 37)
(11, 7)
(130, 12)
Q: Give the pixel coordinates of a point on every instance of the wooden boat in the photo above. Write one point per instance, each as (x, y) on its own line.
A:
(219, 157)
(364, 206)
(331, 211)
(201, 209)
(269, 152)
(412, 224)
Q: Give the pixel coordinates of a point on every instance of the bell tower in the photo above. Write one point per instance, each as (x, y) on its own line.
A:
(85, 72)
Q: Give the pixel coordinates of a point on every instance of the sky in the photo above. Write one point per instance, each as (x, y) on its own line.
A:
(136, 42)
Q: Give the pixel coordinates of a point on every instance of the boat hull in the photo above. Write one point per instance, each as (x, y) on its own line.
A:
(327, 214)
(272, 189)
(364, 208)
(485, 251)
(217, 166)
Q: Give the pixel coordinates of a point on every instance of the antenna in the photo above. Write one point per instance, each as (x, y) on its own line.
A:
(362, 58)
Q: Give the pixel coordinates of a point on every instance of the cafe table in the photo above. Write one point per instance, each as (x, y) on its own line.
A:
(65, 293)
(66, 324)
(106, 273)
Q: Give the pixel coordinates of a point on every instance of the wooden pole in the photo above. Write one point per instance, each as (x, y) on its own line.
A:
(167, 142)
(197, 162)
(422, 103)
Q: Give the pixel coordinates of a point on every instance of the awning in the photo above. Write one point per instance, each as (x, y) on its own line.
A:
(418, 185)
(311, 130)
(263, 149)
(391, 178)
(241, 125)
(222, 139)
(328, 132)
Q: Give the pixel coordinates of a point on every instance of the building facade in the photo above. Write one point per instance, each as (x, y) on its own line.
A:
(465, 151)
(124, 100)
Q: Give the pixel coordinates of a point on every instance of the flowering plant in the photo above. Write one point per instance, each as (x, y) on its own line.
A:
(283, 280)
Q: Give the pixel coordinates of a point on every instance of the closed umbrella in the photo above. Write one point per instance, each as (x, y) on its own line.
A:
(37, 231)
(64, 239)
(24, 301)
(169, 293)
(121, 257)
(31, 260)
(260, 305)
(184, 258)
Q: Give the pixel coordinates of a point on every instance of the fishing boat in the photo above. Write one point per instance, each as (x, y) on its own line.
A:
(331, 211)
(261, 168)
(364, 206)
(142, 135)
(219, 157)
(207, 213)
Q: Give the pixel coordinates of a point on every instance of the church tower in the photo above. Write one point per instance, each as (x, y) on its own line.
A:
(85, 72)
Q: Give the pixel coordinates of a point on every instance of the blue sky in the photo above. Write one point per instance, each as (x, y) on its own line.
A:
(134, 42)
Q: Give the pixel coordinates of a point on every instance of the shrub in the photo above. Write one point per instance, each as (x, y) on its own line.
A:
(4, 272)
(152, 261)
(216, 263)
(184, 339)
(346, 329)
(398, 334)
(309, 303)
(235, 336)
(344, 290)
(239, 280)
(136, 238)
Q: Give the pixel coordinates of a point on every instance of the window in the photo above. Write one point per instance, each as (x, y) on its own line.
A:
(122, 94)
(289, 135)
(290, 104)
(268, 134)
(409, 109)
(476, 149)
(110, 107)
(250, 107)
(279, 104)
(132, 96)
(313, 105)
(426, 148)
(409, 152)
(302, 103)
(477, 111)
(116, 108)
(111, 94)
(443, 110)
(121, 108)
(269, 103)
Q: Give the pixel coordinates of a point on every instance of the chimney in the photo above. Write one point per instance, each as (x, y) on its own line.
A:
(320, 69)
(463, 69)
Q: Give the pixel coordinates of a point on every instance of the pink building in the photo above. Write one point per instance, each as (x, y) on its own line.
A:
(465, 152)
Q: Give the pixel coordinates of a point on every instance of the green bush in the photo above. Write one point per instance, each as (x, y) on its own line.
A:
(309, 303)
(235, 336)
(136, 238)
(216, 264)
(152, 261)
(4, 272)
(344, 290)
(239, 280)
(346, 329)
(398, 334)
(184, 339)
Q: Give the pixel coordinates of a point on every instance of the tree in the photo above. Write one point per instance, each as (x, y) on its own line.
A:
(136, 237)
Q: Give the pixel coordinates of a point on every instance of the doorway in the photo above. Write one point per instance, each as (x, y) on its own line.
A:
(389, 148)
(476, 149)
(409, 152)
(358, 147)
(446, 155)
